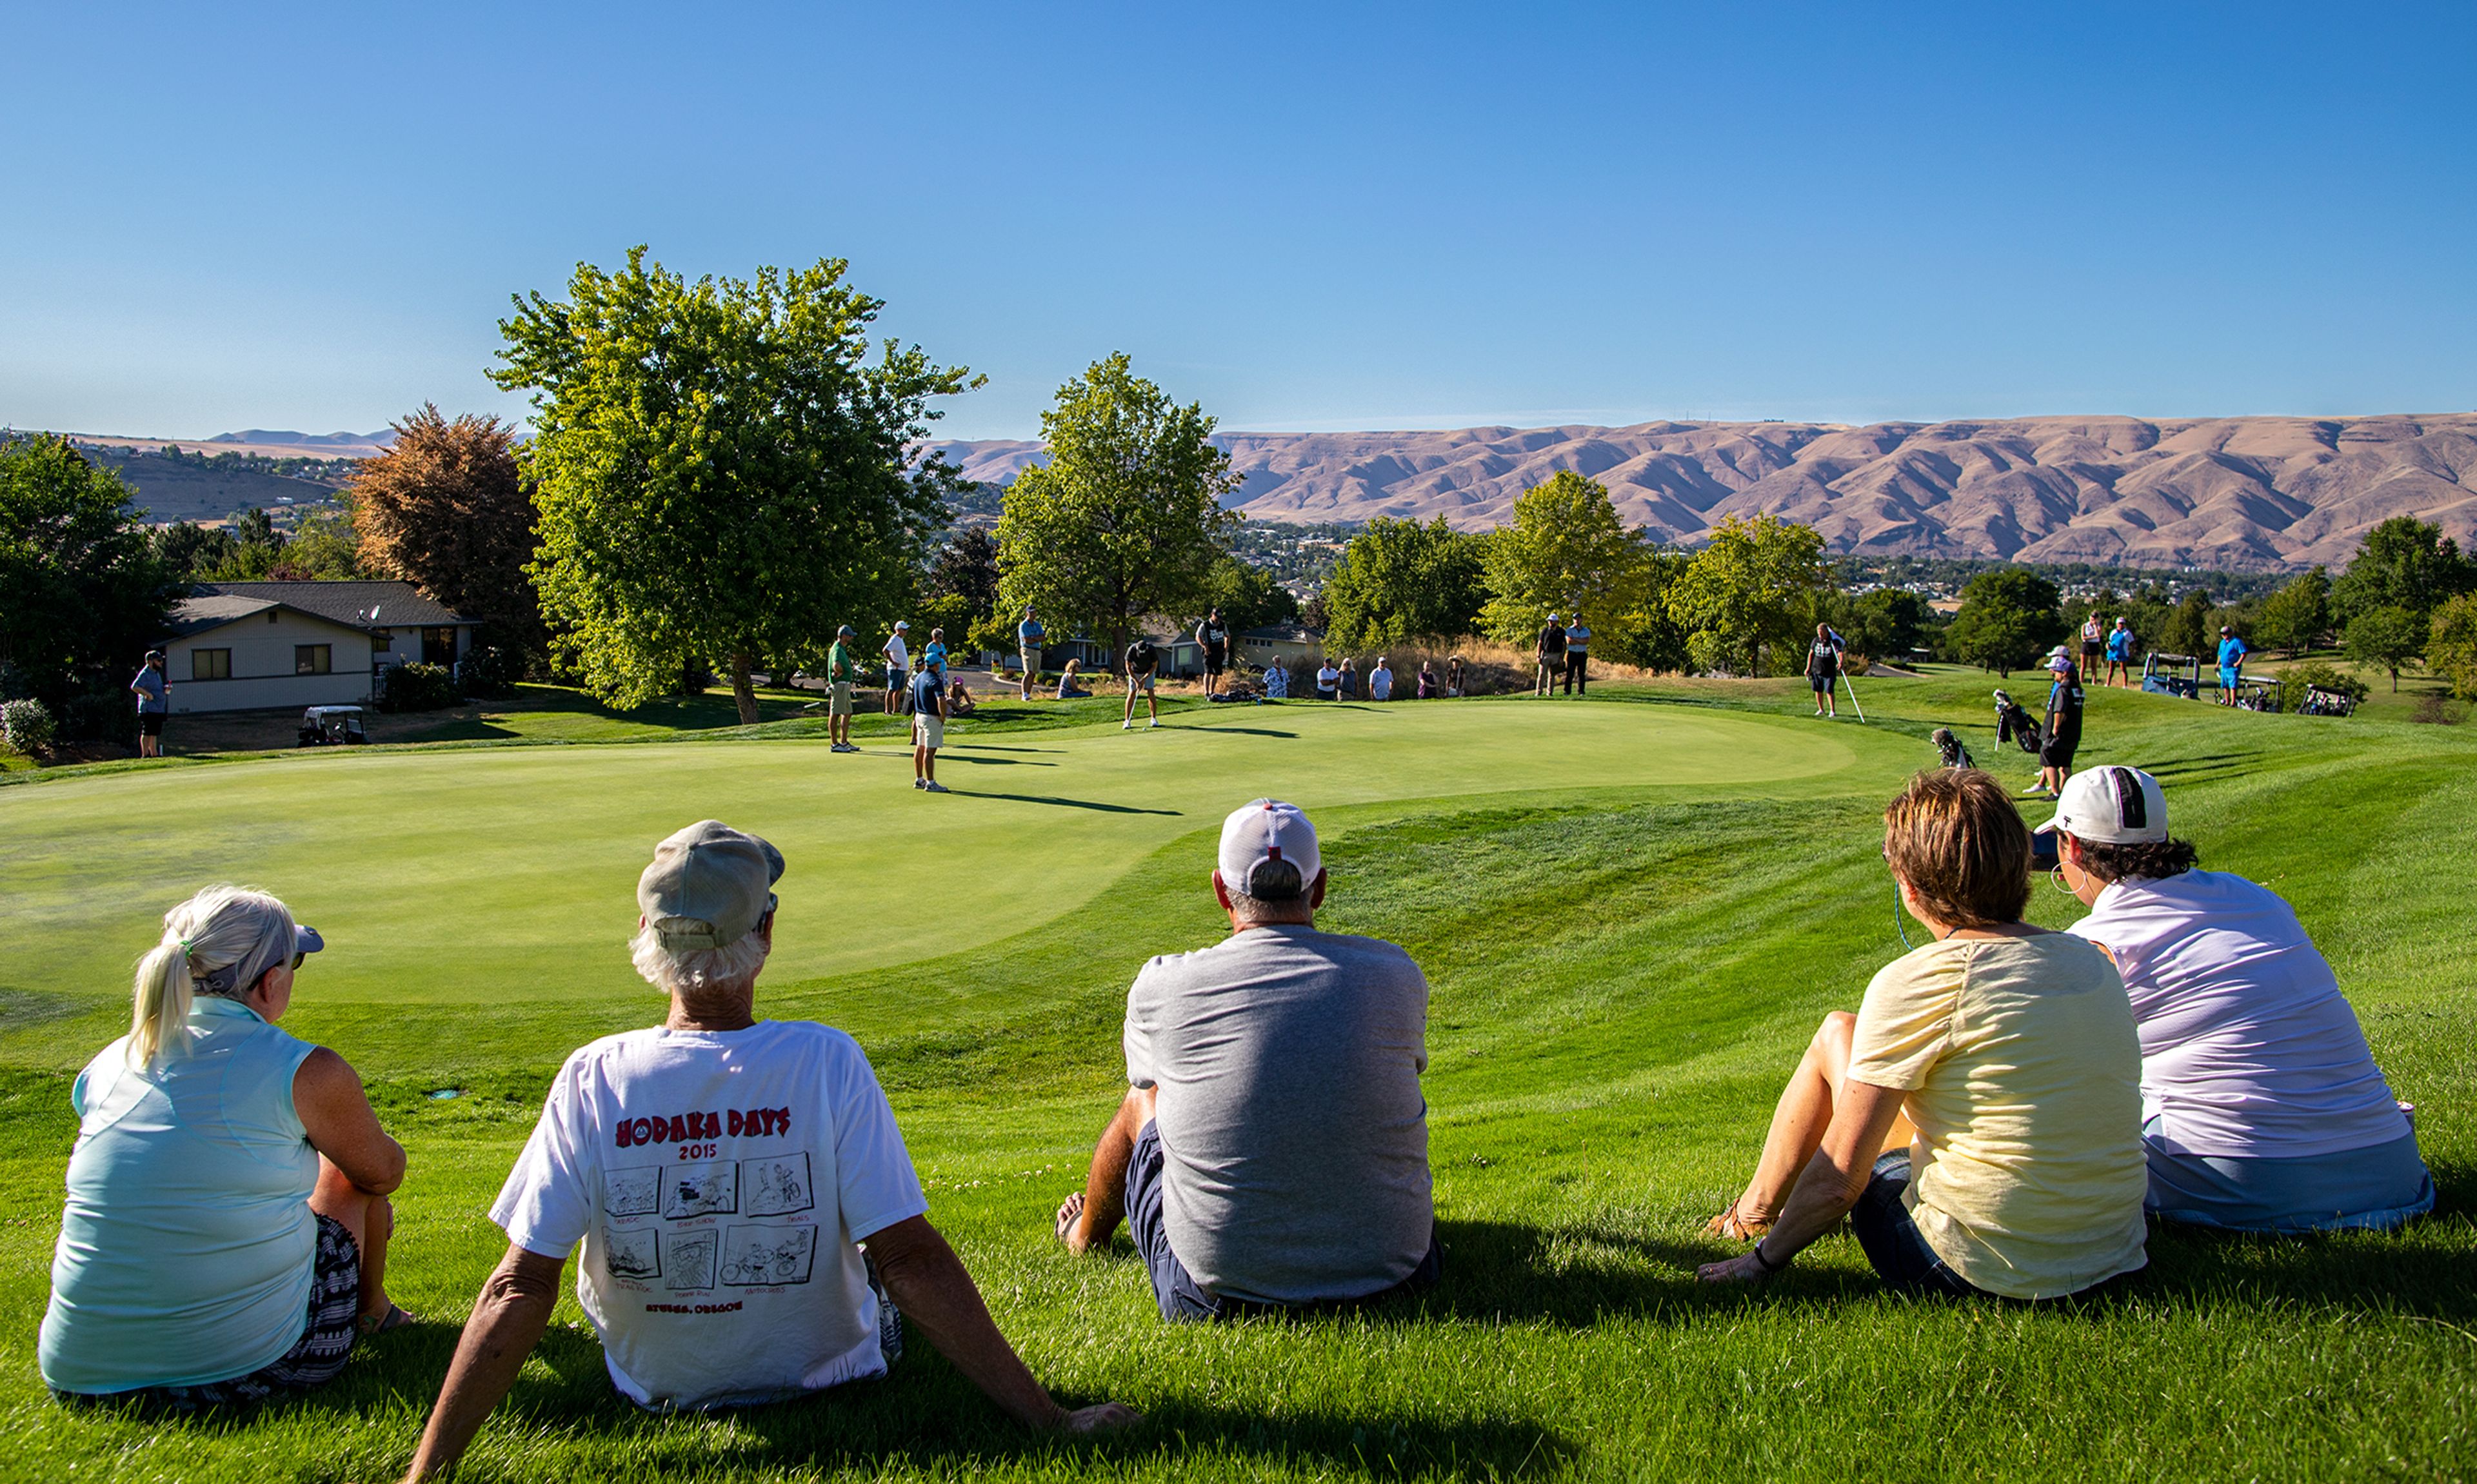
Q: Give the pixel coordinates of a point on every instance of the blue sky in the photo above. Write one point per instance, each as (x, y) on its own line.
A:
(1312, 216)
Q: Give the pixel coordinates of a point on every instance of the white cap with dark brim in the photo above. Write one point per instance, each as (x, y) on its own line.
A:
(2112, 805)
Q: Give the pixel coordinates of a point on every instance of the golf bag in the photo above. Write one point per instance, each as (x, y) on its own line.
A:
(1951, 750)
(2014, 724)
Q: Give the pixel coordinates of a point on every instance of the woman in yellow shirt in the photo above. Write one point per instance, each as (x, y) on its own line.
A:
(2004, 1056)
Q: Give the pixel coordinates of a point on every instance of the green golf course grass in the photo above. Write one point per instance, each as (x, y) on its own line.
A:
(1632, 912)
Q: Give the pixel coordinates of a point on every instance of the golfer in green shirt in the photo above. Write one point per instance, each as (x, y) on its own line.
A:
(842, 669)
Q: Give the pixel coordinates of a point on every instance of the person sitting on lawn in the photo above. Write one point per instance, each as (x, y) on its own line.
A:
(725, 1176)
(2003, 1054)
(1272, 1147)
(2263, 1108)
(226, 1230)
(959, 698)
(1067, 689)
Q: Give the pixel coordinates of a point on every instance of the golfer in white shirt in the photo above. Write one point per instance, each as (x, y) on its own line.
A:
(725, 1176)
(2262, 1110)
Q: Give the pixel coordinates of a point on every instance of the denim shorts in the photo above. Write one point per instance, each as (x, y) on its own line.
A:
(1180, 1297)
(1890, 1238)
(2374, 1189)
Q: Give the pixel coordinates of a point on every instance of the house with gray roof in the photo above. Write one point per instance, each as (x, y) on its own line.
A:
(256, 646)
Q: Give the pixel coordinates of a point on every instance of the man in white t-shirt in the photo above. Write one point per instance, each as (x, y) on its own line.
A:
(725, 1176)
(898, 666)
(1380, 680)
(2261, 1107)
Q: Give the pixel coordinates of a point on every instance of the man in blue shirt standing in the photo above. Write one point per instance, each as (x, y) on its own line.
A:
(2232, 657)
(1030, 638)
(154, 693)
(928, 725)
(2120, 653)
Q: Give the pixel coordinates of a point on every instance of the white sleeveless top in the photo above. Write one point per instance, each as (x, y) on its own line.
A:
(187, 1240)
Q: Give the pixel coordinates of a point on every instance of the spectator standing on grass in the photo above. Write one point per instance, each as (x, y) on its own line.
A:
(2232, 658)
(1029, 641)
(1272, 1147)
(1823, 671)
(2001, 1057)
(928, 726)
(842, 669)
(225, 1233)
(1327, 682)
(2261, 1107)
(1427, 690)
(1349, 688)
(756, 1160)
(154, 703)
(2120, 653)
(1578, 655)
(1277, 681)
(1067, 689)
(2093, 641)
(2060, 731)
(1212, 637)
(933, 656)
(1552, 657)
(1454, 678)
(1380, 680)
(899, 664)
(1143, 670)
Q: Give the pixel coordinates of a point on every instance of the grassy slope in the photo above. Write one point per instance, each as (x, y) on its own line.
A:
(1621, 976)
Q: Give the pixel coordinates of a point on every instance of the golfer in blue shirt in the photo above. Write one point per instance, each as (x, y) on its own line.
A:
(2232, 656)
(1030, 638)
(2119, 655)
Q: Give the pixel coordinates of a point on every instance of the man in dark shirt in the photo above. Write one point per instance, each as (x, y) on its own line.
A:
(1552, 657)
(2062, 733)
(1212, 637)
(1143, 659)
(928, 725)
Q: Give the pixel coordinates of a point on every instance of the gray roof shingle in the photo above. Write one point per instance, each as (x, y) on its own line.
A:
(356, 604)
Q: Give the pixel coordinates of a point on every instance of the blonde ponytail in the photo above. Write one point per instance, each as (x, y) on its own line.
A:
(218, 928)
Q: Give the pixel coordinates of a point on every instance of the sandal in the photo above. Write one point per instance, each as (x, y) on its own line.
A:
(1070, 1213)
(397, 1317)
(1737, 1225)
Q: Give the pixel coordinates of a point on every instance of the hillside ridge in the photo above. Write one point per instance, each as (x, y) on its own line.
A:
(2219, 492)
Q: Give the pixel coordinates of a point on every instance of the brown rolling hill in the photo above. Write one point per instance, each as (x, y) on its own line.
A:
(2230, 493)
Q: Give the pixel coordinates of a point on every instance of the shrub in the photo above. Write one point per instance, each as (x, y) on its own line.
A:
(2321, 674)
(418, 687)
(489, 672)
(27, 726)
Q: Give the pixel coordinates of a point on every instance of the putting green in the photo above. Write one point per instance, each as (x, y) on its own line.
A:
(499, 874)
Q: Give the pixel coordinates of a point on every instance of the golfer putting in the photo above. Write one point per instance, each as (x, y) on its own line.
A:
(1143, 663)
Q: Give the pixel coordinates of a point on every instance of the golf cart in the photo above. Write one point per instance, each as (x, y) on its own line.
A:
(2173, 675)
(332, 726)
(2326, 703)
(2254, 692)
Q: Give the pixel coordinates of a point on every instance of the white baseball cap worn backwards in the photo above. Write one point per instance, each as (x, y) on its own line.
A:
(1265, 830)
(2111, 807)
(710, 886)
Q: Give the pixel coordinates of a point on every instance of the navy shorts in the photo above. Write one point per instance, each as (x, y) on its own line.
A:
(317, 1358)
(1901, 1257)
(1180, 1299)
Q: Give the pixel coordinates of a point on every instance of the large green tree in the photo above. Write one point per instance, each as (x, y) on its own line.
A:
(2389, 638)
(1123, 521)
(1399, 580)
(2451, 645)
(1247, 596)
(2007, 617)
(2295, 616)
(1564, 549)
(2402, 564)
(720, 469)
(82, 594)
(1749, 593)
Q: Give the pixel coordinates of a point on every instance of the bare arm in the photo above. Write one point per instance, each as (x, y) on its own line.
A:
(508, 1321)
(1829, 1185)
(342, 1126)
(928, 1283)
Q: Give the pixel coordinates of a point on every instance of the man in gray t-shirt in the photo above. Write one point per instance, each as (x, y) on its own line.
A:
(1272, 1149)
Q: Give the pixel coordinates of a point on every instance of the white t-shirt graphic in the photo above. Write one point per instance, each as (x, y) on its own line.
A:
(720, 1181)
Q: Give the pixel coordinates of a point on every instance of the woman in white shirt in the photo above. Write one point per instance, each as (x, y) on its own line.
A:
(2262, 1110)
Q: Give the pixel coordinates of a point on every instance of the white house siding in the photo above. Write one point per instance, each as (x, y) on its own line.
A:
(262, 665)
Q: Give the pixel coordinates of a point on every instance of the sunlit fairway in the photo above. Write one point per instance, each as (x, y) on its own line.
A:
(1632, 912)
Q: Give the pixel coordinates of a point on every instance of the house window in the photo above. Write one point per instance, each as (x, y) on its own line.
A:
(210, 664)
(313, 659)
(381, 640)
(438, 645)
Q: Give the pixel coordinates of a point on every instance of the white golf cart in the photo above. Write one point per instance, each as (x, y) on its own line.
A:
(332, 726)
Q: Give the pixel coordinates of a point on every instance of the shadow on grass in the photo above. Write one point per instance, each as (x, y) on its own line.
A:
(1246, 732)
(1064, 803)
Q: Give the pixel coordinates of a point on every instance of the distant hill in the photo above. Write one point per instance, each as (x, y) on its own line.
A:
(2231, 493)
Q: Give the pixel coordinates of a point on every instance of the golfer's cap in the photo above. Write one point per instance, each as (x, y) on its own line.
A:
(2060, 661)
(2224, 629)
(1267, 829)
(900, 626)
(845, 632)
(2111, 807)
(709, 886)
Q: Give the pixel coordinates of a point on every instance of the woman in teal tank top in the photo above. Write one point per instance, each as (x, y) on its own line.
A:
(226, 1227)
